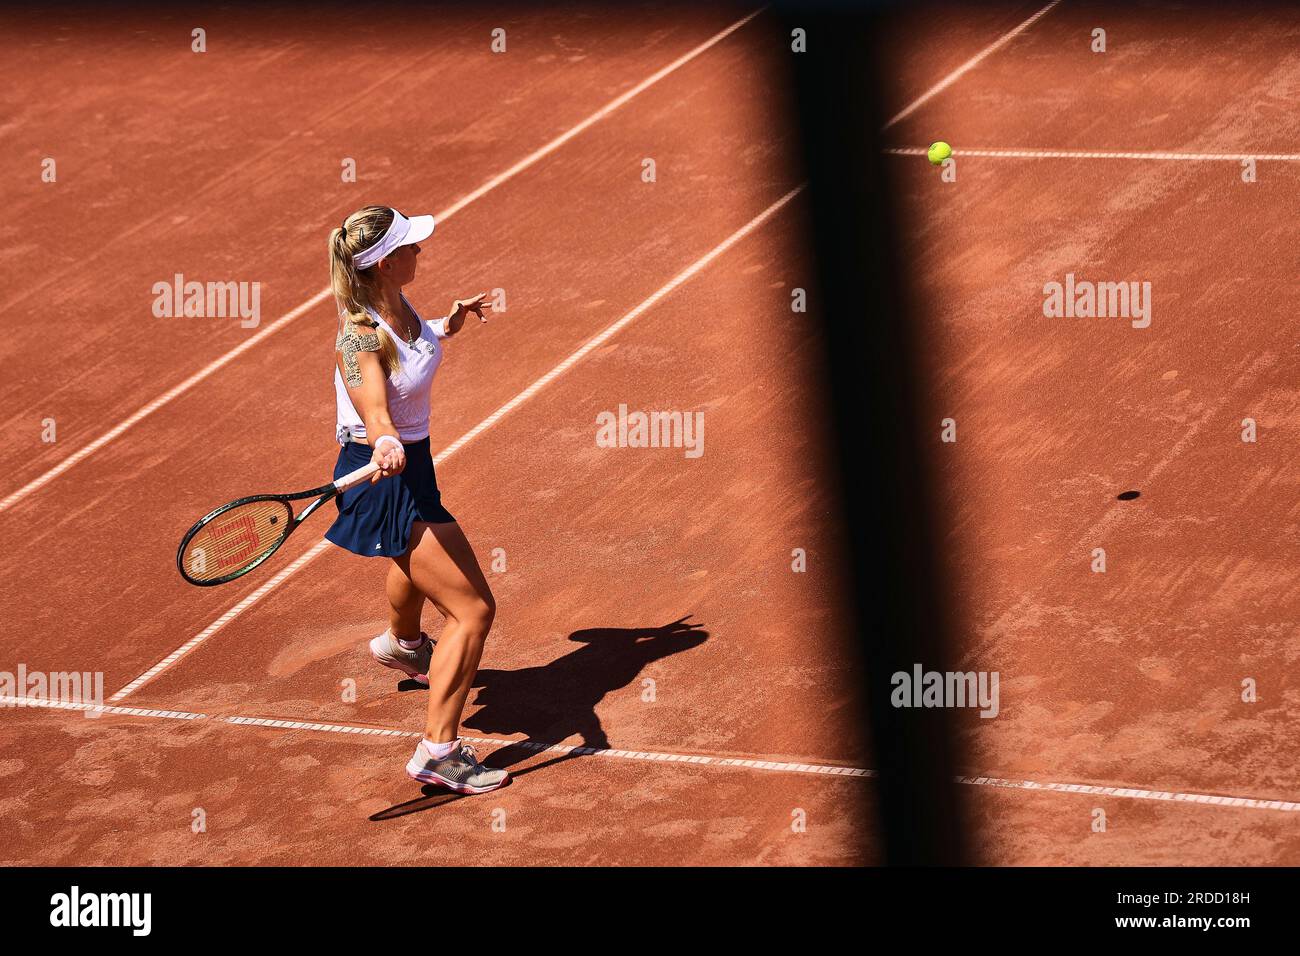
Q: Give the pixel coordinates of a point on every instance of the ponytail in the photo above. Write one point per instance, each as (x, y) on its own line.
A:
(354, 290)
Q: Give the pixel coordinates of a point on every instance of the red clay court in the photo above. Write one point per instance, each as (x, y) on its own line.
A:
(663, 685)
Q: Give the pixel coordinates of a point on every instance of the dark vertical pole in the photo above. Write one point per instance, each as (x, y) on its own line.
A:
(900, 592)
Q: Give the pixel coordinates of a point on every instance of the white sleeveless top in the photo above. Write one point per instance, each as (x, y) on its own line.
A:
(408, 389)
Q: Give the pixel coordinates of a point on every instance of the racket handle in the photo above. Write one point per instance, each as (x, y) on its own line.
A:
(352, 479)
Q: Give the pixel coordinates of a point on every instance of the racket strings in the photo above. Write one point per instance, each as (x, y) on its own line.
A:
(236, 538)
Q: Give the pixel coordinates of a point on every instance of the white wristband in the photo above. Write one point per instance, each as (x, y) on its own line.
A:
(384, 438)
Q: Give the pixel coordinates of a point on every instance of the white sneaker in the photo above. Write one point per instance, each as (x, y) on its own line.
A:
(459, 770)
(414, 664)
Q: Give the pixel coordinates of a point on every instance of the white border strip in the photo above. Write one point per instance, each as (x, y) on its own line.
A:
(1133, 793)
(582, 352)
(822, 769)
(652, 756)
(278, 724)
(969, 65)
(7, 702)
(1102, 154)
(176, 391)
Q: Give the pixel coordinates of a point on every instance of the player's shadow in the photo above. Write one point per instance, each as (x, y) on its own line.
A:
(556, 701)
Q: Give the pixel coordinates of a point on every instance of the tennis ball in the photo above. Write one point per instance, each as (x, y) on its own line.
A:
(938, 152)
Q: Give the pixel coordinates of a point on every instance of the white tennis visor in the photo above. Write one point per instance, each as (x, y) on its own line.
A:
(402, 232)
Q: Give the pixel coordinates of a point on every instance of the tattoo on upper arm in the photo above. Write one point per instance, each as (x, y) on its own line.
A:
(350, 342)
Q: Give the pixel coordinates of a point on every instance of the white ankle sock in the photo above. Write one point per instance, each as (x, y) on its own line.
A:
(415, 644)
(438, 751)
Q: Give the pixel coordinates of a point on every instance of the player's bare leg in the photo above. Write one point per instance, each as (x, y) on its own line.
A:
(403, 647)
(405, 601)
(443, 566)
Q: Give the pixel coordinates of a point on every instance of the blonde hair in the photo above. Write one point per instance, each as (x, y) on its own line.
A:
(356, 290)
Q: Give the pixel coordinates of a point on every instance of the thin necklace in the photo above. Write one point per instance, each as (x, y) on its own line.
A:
(410, 337)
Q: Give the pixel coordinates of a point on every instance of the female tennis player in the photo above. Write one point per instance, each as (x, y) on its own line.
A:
(386, 357)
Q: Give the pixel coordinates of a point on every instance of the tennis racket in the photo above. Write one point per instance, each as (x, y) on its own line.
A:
(234, 539)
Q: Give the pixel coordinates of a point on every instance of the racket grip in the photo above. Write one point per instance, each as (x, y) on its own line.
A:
(354, 478)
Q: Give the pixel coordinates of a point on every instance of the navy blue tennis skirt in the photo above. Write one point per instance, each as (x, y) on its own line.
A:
(375, 520)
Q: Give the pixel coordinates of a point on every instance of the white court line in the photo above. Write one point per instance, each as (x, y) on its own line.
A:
(577, 356)
(1102, 154)
(136, 417)
(8, 701)
(1132, 793)
(822, 769)
(969, 65)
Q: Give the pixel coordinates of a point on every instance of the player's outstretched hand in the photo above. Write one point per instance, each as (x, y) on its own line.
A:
(463, 307)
